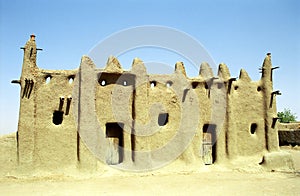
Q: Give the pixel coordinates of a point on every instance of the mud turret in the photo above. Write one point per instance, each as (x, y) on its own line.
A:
(269, 104)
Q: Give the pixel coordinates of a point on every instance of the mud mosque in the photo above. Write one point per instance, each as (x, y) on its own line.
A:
(89, 118)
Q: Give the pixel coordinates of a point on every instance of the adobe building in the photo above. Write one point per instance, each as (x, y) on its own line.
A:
(89, 118)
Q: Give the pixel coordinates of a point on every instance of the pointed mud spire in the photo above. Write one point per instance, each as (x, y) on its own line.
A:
(137, 61)
(267, 61)
(113, 65)
(267, 68)
(30, 50)
(223, 72)
(244, 76)
(87, 61)
(206, 71)
(179, 68)
(138, 66)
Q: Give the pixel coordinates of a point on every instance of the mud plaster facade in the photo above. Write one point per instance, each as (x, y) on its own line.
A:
(220, 118)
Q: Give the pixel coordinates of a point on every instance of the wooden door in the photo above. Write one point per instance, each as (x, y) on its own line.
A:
(207, 148)
(112, 155)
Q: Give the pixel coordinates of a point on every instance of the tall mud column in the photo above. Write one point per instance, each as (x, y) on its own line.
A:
(141, 153)
(271, 132)
(227, 144)
(26, 125)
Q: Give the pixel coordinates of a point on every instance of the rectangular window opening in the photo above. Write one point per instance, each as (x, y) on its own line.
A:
(163, 119)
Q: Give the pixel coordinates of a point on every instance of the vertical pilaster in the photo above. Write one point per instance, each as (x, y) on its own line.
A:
(271, 132)
(27, 111)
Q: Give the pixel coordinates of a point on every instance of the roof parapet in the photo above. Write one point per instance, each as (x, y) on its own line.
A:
(223, 71)
(244, 76)
(179, 68)
(113, 65)
(206, 71)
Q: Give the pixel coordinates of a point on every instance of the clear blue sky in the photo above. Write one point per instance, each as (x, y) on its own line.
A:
(236, 32)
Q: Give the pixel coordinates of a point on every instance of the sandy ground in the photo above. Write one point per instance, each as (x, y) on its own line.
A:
(216, 183)
(209, 183)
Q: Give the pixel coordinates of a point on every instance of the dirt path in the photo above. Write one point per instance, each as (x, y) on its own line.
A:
(205, 182)
(216, 183)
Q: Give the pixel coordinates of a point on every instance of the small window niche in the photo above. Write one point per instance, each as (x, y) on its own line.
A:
(48, 79)
(71, 79)
(169, 84)
(258, 89)
(57, 118)
(253, 128)
(153, 84)
(163, 119)
(195, 84)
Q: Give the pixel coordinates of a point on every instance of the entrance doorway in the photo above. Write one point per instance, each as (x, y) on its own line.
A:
(115, 148)
(209, 144)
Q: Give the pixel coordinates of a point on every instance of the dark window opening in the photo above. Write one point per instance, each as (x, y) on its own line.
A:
(258, 88)
(71, 79)
(163, 119)
(152, 84)
(236, 87)
(57, 117)
(209, 144)
(114, 135)
(47, 79)
(194, 85)
(169, 84)
(253, 128)
(126, 79)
